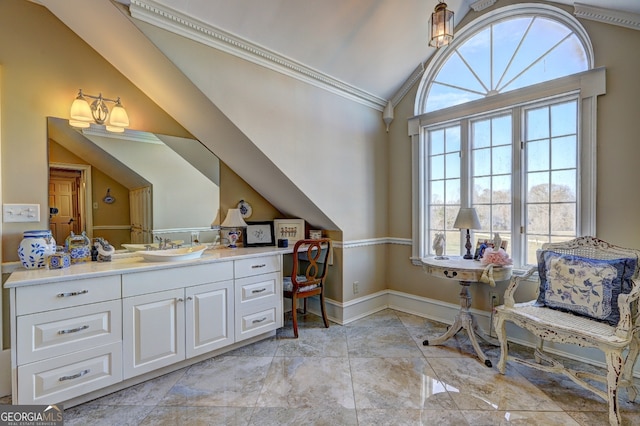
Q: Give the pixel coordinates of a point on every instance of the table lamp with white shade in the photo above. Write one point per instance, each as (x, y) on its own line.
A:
(233, 222)
(467, 219)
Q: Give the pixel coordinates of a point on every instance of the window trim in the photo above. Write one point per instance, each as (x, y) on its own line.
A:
(482, 22)
(588, 84)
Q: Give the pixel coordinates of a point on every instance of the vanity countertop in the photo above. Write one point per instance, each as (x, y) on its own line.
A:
(131, 263)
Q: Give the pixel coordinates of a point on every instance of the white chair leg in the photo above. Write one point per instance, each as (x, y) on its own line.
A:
(614, 368)
(501, 331)
(627, 373)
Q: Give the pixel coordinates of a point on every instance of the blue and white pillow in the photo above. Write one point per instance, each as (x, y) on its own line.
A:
(588, 287)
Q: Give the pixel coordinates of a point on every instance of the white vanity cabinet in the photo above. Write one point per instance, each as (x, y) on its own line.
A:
(165, 309)
(258, 296)
(67, 339)
(209, 317)
(94, 328)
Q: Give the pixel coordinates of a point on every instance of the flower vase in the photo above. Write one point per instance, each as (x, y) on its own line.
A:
(35, 247)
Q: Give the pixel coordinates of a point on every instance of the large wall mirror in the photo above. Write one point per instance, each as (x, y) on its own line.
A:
(130, 187)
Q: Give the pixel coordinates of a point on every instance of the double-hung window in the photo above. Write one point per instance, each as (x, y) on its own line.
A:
(505, 123)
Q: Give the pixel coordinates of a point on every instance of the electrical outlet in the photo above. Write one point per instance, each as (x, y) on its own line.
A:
(494, 298)
(356, 285)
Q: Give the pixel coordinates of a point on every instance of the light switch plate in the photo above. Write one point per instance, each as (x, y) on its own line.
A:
(21, 212)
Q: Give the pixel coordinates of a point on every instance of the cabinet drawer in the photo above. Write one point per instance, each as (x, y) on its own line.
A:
(58, 379)
(252, 324)
(258, 289)
(177, 277)
(54, 333)
(47, 297)
(256, 266)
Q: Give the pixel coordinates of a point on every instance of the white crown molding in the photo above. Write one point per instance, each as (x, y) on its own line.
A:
(608, 16)
(408, 84)
(482, 4)
(171, 20)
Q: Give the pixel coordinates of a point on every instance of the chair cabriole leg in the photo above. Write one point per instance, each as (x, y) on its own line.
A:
(324, 311)
(614, 368)
(294, 314)
(501, 331)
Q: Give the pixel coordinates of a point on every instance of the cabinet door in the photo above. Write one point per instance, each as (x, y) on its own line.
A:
(209, 321)
(153, 331)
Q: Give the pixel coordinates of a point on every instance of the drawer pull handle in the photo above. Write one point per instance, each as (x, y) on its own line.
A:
(180, 299)
(73, 330)
(258, 266)
(189, 298)
(73, 293)
(258, 291)
(75, 376)
(453, 274)
(259, 321)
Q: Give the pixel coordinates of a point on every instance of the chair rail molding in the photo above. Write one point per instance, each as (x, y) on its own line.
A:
(169, 19)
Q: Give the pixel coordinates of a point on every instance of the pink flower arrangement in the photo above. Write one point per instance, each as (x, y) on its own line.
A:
(495, 256)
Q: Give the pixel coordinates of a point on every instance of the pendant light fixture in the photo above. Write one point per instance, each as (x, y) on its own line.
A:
(441, 26)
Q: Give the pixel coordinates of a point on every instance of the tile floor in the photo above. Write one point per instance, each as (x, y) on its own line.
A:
(374, 371)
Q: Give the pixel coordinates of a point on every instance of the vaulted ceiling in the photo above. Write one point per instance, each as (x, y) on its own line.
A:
(372, 46)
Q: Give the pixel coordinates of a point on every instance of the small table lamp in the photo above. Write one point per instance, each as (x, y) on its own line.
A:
(233, 221)
(467, 219)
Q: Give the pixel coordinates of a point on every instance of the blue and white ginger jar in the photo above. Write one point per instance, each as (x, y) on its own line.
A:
(35, 247)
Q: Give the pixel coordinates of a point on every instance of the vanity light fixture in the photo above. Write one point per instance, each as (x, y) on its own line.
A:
(82, 113)
(441, 26)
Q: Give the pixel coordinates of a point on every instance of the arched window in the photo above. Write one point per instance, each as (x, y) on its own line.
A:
(499, 123)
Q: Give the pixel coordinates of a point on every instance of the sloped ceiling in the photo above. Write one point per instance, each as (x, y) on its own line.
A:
(372, 46)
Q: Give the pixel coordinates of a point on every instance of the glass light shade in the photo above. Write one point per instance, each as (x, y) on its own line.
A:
(467, 219)
(80, 124)
(80, 110)
(234, 219)
(114, 129)
(118, 117)
(441, 26)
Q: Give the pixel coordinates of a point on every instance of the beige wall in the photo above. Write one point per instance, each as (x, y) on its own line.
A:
(44, 64)
(618, 203)
(363, 182)
(332, 148)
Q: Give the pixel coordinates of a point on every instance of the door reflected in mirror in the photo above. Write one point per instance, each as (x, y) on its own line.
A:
(130, 188)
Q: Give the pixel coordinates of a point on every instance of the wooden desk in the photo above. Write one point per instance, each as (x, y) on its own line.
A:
(464, 272)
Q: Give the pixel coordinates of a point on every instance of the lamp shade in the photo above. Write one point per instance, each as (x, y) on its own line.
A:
(234, 219)
(216, 220)
(467, 219)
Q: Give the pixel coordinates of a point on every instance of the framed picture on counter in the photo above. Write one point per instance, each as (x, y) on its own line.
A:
(290, 229)
(258, 234)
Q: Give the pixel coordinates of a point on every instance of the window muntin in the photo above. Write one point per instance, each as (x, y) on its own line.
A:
(444, 180)
(549, 169)
(491, 147)
(551, 156)
(571, 41)
(505, 56)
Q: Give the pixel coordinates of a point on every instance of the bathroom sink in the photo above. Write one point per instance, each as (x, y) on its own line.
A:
(171, 255)
(141, 247)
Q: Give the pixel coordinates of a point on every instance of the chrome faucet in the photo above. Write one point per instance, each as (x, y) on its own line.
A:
(164, 244)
